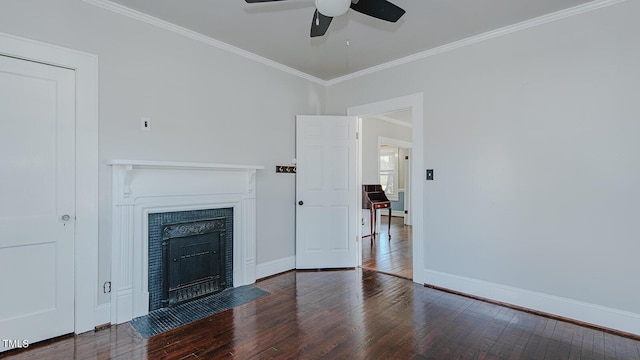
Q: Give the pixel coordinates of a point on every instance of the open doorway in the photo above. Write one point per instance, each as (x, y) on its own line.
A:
(385, 160)
(415, 103)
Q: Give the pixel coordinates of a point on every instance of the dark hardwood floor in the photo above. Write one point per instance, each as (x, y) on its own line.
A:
(391, 257)
(356, 314)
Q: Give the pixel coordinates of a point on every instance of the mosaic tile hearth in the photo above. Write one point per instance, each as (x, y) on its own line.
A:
(169, 318)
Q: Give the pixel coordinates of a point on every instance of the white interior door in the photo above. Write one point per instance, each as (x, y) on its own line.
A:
(37, 186)
(328, 210)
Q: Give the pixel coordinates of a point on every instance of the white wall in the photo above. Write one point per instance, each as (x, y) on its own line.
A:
(206, 105)
(534, 137)
(372, 129)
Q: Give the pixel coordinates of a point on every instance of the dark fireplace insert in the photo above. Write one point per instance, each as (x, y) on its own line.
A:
(194, 259)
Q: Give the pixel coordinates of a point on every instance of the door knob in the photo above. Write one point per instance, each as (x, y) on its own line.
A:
(300, 202)
(66, 217)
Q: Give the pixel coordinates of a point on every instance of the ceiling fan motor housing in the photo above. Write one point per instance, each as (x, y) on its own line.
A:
(332, 8)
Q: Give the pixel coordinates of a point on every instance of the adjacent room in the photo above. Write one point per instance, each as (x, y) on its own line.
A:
(387, 231)
(195, 179)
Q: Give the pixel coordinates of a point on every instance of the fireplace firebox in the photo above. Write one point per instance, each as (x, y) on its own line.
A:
(190, 255)
(194, 260)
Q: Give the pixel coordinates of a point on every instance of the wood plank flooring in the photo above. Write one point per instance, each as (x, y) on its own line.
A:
(355, 314)
(391, 257)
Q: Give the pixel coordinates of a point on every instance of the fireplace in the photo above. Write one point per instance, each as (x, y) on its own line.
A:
(182, 193)
(190, 255)
(194, 263)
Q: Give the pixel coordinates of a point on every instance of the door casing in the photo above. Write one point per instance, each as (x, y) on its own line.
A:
(88, 313)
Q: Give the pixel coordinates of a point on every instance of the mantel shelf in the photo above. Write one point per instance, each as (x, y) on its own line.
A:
(177, 164)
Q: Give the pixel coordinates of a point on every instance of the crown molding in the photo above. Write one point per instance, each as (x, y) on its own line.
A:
(558, 15)
(137, 15)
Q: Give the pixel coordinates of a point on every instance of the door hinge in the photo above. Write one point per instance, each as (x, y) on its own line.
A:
(357, 135)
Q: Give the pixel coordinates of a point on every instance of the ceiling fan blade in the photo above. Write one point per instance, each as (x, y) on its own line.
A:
(380, 9)
(320, 24)
(259, 1)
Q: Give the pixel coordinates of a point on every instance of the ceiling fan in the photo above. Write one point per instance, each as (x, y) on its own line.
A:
(326, 10)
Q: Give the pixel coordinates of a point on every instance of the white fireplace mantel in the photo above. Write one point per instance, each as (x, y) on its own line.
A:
(140, 188)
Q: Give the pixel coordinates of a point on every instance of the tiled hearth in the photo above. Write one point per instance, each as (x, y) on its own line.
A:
(165, 319)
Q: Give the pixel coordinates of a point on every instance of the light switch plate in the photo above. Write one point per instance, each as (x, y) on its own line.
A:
(429, 174)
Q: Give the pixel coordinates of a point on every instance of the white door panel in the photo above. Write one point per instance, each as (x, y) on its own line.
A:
(37, 186)
(327, 220)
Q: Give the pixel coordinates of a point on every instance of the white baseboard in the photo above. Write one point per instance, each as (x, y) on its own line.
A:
(275, 267)
(577, 310)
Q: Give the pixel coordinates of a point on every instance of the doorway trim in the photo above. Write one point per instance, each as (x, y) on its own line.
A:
(415, 103)
(87, 313)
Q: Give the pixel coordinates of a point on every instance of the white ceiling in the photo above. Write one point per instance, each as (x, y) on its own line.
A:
(279, 30)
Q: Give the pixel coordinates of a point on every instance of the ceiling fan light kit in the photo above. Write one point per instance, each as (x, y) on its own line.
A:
(326, 10)
(332, 8)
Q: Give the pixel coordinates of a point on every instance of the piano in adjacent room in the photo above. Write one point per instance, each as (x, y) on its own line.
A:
(374, 198)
